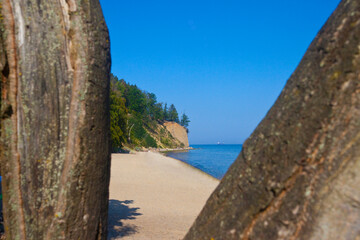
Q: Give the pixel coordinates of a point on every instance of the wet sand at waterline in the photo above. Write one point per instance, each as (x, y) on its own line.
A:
(155, 197)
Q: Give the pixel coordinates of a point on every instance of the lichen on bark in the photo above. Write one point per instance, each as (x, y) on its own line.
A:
(55, 157)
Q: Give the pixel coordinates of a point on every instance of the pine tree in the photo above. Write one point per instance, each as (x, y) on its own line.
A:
(166, 113)
(184, 120)
(118, 119)
(173, 114)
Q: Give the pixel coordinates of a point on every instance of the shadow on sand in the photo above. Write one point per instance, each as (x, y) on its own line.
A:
(119, 211)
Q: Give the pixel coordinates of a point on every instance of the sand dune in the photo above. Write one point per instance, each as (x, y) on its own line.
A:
(154, 197)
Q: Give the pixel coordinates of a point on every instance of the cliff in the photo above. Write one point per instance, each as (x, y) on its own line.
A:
(169, 135)
(158, 135)
(177, 131)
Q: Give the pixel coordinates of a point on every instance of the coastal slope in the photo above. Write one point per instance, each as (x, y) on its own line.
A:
(168, 135)
(177, 131)
(155, 197)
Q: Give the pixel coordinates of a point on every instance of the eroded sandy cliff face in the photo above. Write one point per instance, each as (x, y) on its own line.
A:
(178, 132)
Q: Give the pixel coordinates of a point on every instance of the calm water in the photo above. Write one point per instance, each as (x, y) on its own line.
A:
(212, 159)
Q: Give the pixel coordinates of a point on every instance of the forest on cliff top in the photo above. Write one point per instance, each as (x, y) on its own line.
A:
(136, 117)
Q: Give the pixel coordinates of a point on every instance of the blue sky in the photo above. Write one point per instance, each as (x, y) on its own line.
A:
(223, 63)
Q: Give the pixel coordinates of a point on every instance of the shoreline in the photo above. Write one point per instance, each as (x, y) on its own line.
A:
(153, 196)
(191, 166)
(165, 150)
(163, 153)
(126, 149)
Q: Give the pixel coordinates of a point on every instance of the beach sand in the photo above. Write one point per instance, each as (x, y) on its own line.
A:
(154, 197)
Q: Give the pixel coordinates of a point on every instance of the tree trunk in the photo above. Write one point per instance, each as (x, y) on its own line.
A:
(55, 151)
(297, 176)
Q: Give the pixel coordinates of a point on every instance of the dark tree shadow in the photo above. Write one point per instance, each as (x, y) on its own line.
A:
(118, 211)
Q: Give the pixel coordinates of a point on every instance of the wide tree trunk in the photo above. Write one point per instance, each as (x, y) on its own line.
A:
(297, 176)
(55, 152)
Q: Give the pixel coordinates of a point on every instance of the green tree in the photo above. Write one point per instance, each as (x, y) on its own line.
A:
(151, 105)
(135, 99)
(149, 141)
(134, 112)
(118, 119)
(185, 120)
(136, 129)
(158, 112)
(113, 80)
(166, 113)
(173, 114)
(118, 85)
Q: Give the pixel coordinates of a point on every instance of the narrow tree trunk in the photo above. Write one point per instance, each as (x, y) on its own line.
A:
(297, 176)
(55, 152)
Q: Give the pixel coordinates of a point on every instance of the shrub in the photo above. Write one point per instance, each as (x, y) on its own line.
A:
(165, 141)
(149, 141)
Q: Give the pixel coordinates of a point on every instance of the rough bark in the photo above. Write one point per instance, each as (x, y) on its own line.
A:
(297, 176)
(55, 152)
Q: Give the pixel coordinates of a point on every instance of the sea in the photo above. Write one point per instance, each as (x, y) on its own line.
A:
(214, 159)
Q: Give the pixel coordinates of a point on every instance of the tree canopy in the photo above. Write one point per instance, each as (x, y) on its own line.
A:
(184, 120)
(173, 114)
(132, 110)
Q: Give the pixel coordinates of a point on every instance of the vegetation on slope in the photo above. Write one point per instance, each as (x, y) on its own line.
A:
(136, 117)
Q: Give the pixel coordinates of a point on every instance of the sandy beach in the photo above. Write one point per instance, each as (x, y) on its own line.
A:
(154, 197)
